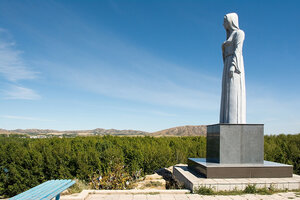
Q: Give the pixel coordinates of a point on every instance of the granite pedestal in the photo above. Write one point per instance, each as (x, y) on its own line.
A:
(237, 151)
(235, 143)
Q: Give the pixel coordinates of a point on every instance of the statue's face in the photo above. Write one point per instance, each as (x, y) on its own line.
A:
(226, 23)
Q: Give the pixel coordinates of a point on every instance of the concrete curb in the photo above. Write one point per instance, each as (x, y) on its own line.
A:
(85, 193)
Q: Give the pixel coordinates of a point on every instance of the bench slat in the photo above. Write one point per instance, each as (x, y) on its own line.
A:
(51, 191)
(35, 192)
(42, 192)
(24, 194)
(47, 189)
(59, 190)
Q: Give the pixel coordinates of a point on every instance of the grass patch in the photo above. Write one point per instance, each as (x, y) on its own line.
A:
(78, 187)
(153, 184)
(153, 193)
(205, 191)
(250, 189)
(150, 193)
(233, 192)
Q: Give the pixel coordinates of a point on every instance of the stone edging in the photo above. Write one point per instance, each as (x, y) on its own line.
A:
(85, 193)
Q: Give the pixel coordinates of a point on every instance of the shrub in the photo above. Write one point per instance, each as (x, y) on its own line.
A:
(204, 190)
(251, 189)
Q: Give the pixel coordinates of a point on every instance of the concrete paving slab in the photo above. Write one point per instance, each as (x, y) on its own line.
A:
(181, 197)
(222, 197)
(139, 197)
(96, 197)
(126, 197)
(153, 197)
(194, 197)
(167, 196)
(287, 194)
(267, 197)
(263, 197)
(277, 197)
(112, 197)
(250, 197)
(235, 197)
(209, 197)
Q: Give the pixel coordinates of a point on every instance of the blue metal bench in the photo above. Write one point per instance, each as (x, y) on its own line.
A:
(46, 190)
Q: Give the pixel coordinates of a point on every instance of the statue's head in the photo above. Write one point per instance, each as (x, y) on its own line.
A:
(231, 21)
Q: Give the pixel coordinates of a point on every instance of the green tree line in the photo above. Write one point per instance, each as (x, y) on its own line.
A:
(25, 163)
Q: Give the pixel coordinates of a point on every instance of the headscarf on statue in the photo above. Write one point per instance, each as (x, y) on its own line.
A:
(233, 20)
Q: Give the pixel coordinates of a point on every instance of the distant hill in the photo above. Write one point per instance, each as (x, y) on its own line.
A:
(97, 131)
(182, 131)
(176, 131)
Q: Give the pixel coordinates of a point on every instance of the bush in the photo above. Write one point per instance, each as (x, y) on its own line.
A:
(204, 191)
(250, 189)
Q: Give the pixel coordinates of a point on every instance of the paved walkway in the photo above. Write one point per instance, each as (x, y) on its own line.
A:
(286, 195)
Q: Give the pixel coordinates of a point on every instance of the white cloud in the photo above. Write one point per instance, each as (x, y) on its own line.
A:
(14, 69)
(150, 87)
(12, 66)
(18, 92)
(132, 73)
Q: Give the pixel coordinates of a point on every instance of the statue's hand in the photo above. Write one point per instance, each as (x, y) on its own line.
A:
(232, 69)
(223, 45)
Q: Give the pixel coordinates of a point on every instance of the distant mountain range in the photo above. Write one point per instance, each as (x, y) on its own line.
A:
(176, 131)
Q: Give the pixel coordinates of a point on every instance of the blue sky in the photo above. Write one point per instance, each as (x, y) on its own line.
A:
(144, 65)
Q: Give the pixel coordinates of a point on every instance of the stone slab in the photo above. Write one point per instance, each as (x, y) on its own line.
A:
(217, 170)
(281, 196)
(235, 143)
(193, 180)
(107, 194)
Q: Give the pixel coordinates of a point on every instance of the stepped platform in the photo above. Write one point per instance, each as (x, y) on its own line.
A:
(267, 169)
(193, 180)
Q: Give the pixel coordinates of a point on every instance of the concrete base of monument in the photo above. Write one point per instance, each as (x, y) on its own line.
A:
(216, 170)
(193, 180)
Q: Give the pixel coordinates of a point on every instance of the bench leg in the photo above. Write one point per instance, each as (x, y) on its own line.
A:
(57, 197)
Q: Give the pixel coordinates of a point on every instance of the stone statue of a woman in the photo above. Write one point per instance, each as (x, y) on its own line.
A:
(233, 100)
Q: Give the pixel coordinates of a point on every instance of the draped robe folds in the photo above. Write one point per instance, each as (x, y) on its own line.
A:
(233, 99)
